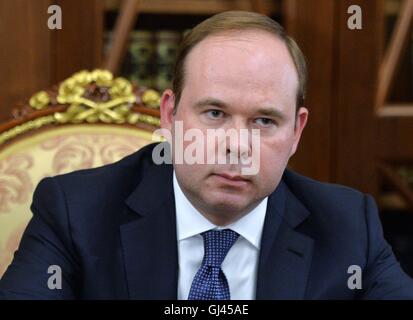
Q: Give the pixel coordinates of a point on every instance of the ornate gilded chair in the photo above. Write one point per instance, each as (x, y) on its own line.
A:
(90, 119)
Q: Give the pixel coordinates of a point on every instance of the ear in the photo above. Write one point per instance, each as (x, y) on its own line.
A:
(300, 122)
(167, 109)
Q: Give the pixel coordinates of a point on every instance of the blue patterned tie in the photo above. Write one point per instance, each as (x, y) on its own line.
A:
(210, 282)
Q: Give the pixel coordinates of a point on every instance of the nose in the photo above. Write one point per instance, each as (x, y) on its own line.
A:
(238, 142)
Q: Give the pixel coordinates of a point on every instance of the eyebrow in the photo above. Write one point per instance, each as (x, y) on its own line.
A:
(271, 112)
(210, 102)
(266, 111)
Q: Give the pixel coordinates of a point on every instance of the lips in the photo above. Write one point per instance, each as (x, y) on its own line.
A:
(231, 177)
(232, 181)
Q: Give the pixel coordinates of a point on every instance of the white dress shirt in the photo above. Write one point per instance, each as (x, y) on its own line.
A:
(240, 264)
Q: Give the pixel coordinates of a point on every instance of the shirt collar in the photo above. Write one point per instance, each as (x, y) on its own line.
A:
(190, 222)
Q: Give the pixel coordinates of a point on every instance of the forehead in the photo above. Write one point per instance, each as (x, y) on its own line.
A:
(242, 60)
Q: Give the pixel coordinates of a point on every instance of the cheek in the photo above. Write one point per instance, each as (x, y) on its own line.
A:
(190, 176)
(274, 157)
(277, 146)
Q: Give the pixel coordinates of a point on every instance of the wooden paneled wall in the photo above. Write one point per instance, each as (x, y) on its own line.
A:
(33, 57)
(315, 37)
(24, 51)
(340, 142)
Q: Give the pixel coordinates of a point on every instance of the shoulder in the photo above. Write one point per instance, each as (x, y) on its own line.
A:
(320, 195)
(336, 211)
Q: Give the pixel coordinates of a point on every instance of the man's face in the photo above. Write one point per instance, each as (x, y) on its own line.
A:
(237, 80)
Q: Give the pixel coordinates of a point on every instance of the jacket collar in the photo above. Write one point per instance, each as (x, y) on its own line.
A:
(286, 254)
(149, 237)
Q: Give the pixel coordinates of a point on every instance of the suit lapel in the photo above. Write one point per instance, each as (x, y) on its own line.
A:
(285, 255)
(149, 239)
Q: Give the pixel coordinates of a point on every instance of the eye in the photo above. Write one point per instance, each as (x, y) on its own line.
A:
(265, 122)
(214, 114)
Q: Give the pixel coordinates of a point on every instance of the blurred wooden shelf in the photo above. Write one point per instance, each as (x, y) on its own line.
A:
(392, 7)
(128, 11)
(396, 110)
(396, 175)
(392, 201)
(194, 7)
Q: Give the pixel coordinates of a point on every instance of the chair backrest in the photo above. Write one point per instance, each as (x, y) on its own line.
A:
(89, 120)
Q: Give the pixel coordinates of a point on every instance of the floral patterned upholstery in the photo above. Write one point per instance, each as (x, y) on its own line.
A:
(56, 149)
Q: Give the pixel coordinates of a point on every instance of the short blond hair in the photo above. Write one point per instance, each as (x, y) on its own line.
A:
(237, 21)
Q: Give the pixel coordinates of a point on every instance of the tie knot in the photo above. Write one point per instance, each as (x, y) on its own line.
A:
(216, 245)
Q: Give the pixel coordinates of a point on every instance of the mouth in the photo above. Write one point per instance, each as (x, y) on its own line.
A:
(233, 180)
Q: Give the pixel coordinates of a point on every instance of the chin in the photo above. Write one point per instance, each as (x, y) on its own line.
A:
(228, 202)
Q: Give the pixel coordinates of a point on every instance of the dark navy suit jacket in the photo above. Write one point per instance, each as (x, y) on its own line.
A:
(112, 231)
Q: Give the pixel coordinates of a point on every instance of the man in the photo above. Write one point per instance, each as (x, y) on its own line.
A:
(206, 229)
